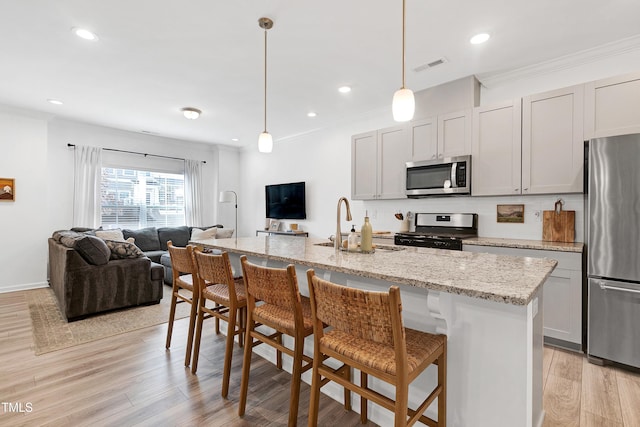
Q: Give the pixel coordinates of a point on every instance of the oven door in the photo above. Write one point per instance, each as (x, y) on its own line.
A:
(439, 177)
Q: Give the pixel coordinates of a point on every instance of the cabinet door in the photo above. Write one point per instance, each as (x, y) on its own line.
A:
(454, 134)
(612, 106)
(363, 166)
(552, 142)
(424, 139)
(495, 149)
(563, 305)
(393, 153)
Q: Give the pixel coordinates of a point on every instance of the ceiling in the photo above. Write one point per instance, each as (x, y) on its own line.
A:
(155, 57)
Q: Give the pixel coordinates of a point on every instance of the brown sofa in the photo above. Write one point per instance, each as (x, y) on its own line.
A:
(84, 282)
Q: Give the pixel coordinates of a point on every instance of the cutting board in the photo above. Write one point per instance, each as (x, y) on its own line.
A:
(558, 225)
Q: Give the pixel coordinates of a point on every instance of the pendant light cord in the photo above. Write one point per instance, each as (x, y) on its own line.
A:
(403, 37)
(265, 81)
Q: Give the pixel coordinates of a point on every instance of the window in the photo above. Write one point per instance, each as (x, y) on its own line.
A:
(137, 199)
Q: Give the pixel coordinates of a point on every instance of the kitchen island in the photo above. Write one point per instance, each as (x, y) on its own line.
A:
(489, 306)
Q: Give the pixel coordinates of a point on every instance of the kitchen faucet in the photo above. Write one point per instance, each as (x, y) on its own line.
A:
(337, 242)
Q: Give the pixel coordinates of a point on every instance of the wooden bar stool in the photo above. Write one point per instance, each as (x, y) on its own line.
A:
(183, 291)
(366, 333)
(273, 300)
(216, 283)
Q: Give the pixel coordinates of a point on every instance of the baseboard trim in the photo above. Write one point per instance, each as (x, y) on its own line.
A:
(23, 287)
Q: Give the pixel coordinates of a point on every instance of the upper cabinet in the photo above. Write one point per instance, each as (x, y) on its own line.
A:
(612, 106)
(446, 135)
(496, 149)
(553, 142)
(378, 164)
(454, 134)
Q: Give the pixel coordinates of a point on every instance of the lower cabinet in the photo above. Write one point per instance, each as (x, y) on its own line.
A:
(562, 293)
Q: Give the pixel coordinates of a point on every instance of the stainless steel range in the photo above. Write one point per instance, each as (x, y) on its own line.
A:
(440, 230)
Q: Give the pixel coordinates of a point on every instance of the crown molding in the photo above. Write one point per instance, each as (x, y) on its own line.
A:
(587, 56)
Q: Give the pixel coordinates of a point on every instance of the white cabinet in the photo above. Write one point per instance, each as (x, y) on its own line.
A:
(447, 135)
(553, 142)
(424, 139)
(612, 106)
(454, 134)
(378, 164)
(562, 293)
(496, 149)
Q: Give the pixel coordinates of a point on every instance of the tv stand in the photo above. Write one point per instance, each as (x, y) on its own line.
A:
(285, 233)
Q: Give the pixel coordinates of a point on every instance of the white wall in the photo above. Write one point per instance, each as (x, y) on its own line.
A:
(23, 223)
(35, 153)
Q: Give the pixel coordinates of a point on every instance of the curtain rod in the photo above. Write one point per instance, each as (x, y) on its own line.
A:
(136, 152)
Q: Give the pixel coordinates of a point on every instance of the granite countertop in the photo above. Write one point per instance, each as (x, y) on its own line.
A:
(525, 244)
(507, 279)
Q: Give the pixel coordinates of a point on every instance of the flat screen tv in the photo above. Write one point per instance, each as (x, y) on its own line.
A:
(286, 201)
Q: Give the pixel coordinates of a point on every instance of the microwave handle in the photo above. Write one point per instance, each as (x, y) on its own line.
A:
(454, 181)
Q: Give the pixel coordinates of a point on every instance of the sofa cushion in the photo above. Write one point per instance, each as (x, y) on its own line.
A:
(197, 233)
(154, 255)
(114, 234)
(179, 236)
(224, 233)
(93, 249)
(123, 250)
(145, 238)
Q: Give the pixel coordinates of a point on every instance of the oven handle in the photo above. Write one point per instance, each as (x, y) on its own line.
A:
(604, 287)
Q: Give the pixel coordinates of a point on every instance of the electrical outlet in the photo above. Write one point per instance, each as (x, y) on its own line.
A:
(538, 215)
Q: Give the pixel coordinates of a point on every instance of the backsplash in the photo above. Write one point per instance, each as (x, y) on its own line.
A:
(381, 213)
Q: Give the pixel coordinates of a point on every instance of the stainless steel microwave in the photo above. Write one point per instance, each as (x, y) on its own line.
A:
(440, 177)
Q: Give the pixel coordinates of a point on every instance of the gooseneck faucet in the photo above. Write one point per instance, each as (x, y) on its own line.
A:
(337, 242)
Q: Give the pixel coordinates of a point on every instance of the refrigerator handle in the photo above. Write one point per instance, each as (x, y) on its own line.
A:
(604, 287)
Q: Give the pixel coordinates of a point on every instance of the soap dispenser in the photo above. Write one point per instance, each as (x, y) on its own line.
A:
(353, 239)
(366, 235)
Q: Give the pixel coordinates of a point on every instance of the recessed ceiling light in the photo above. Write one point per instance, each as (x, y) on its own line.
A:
(191, 113)
(235, 139)
(479, 38)
(54, 101)
(84, 34)
(311, 114)
(344, 89)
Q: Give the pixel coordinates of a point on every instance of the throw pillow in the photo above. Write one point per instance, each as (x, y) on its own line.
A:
(224, 233)
(123, 250)
(115, 234)
(199, 234)
(93, 249)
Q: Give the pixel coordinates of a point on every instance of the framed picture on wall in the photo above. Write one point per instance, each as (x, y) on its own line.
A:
(275, 225)
(510, 213)
(7, 190)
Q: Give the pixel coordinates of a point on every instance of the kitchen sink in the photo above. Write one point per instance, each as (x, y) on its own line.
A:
(378, 247)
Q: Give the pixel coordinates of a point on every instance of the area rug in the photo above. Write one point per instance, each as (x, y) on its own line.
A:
(52, 332)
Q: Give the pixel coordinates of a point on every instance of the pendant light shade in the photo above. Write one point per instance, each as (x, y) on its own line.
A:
(265, 141)
(403, 105)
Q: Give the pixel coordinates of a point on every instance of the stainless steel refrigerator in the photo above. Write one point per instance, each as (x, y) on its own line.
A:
(613, 266)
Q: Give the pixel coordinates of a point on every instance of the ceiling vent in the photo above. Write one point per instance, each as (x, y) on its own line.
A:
(431, 64)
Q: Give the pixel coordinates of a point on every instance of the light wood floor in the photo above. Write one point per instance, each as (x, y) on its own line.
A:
(131, 380)
(579, 393)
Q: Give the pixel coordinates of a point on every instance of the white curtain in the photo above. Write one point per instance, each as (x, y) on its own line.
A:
(193, 192)
(86, 189)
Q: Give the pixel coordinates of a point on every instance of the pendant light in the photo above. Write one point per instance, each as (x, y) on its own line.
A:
(403, 105)
(265, 141)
